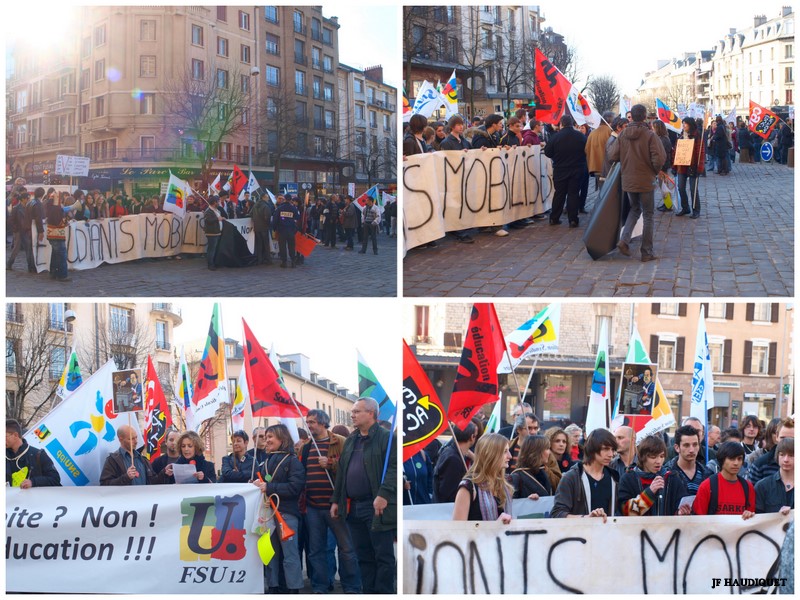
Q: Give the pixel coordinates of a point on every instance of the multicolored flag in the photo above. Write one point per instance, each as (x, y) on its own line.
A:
(81, 431)
(216, 186)
(551, 89)
(449, 95)
(661, 416)
(239, 400)
(423, 413)
(667, 116)
(582, 110)
(493, 424)
(476, 380)
(183, 390)
(762, 120)
(624, 105)
(177, 194)
(158, 418)
(71, 377)
(637, 354)
(406, 108)
(211, 386)
(538, 335)
(597, 415)
(370, 387)
(374, 193)
(268, 397)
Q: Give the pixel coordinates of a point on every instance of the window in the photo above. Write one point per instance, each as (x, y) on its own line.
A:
(244, 20)
(147, 30)
(271, 14)
(789, 51)
(273, 75)
(361, 138)
(297, 21)
(222, 79)
(245, 54)
(300, 52)
(759, 362)
(358, 86)
(222, 46)
(99, 70)
(359, 112)
(330, 117)
(147, 104)
(147, 145)
(272, 107)
(222, 114)
(329, 91)
(99, 106)
(315, 30)
(762, 312)
(716, 351)
(162, 339)
(330, 147)
(666, 354)
(198, 69)
(317, 145)
(317, 87)
(789, 75)
(316, 60)
(245, 83)
(222, 14)
(85, 75)
(84, 113)
(245, 116)
(302, 142)
(99, 35)
(327, 36)
(11, 356)
(121, 319)
(301, 111)
(56, 312)
(86, 46)
(273, 44)
(327, 64)
(57, 362)
(374, 143)
(669, 308)
(386, 126)
(147, 66)
(197, 35)
(373, 118)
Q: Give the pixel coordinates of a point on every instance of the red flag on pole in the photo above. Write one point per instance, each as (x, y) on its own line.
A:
(158, 418)
(476, 378)
(551, 89)
(423, 413)
(238, 181)
(762, 120)
(267, 397)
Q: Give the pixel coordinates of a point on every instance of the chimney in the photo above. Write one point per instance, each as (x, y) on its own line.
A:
(374, 73)
(732, 31)
(786, 10)
(759, 20)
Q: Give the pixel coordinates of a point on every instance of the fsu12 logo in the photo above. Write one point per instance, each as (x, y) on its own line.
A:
(212, 527)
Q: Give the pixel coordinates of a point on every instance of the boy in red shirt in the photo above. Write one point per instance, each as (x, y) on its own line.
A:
(726, 493)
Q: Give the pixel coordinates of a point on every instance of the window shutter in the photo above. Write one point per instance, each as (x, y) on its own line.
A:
(773, 356)
(729, 311)
(751, 312)
(726, 355)
(679, 352)
(774, 306)
(682, 309)
(705, 308)
(654, 349)
(655, 308)
(748, 355)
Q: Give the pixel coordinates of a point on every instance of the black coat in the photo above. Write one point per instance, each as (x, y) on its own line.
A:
(201, 464)
(237, 471)
(286, 477)
(41, 470)
(567, 149)
(771, 494)
(526, 483)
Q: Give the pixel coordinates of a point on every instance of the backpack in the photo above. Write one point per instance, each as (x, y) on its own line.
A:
(714, 499)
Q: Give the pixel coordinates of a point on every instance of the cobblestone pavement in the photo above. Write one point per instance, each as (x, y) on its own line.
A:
(742, 245)
(327, 272)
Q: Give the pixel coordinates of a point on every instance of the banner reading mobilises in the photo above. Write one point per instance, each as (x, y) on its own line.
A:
(662, 555)
(159, 539)
(450, 191)
(115, 240)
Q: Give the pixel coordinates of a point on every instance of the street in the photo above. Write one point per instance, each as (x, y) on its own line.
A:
(327, 272)
(742, 245)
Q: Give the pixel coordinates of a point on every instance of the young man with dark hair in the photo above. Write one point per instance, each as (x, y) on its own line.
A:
(767, 464)
(775, 493)
(649, 489)
(27, 467)
(751, 430)
(727, 493)
(484, 136)
(589, 489)
(450, 469)
(685, 465)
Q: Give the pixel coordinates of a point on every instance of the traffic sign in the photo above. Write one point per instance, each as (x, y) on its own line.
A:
(766, 152)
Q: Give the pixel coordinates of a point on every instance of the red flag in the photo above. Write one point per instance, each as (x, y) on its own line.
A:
(423, 413)
(267, 397)
(762, 120)
(158, 418)
(238, 181)
(476, 378)
(551, 89)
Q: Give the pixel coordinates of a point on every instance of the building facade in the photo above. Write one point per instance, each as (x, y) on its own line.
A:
(144, 90)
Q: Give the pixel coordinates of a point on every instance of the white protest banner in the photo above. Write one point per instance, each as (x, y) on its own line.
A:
(77, 166)
(443, 511)
(662, 555)
(450, 191)
(245, 228)
(156, 539)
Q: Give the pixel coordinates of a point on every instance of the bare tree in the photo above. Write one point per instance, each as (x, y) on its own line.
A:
(377, 160)
(31, 375)
(473, 53)
(604, 93)
(128, 344)
(281, 125)
(511, 70)
(208, 107)
(423, 28)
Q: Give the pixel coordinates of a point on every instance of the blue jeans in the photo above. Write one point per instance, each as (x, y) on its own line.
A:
(641, 204)
(319, 522)
(58, 259)
(290, 559)
(211, 249)
(375, 549)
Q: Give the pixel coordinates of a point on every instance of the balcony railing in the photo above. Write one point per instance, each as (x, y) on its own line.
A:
(316, 64)
(316, 35)
(13, 367)
(300, 90)
(319, 124)
(299, 28)
(13, 315)
(60, 325)
(162, 345)
(300, 59)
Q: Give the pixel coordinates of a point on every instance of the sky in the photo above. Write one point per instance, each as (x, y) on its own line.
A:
(327, 330)
(626, 40)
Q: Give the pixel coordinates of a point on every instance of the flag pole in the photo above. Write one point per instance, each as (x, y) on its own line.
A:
(455, 441)
(530, 376)
(130, 426)
(389, 446)
(311, 437)
(513, 372)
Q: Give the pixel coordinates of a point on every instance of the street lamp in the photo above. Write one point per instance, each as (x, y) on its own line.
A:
(254, 73)
(69, 317)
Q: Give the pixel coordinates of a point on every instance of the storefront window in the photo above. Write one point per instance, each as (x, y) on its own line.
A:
(557, 397)
(761, 405)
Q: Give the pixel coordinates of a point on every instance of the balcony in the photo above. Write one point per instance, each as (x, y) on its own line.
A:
(13, 367)
(163, 345)
(300, 90)
(316, 64)
(66, 102)
(13, 315)
(169, 309)
(57, 325)
(317, 94)
(316, 35)
(300, 28)
(300, 59)
(327, 69)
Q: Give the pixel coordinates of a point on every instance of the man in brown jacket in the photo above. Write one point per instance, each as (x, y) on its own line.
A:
(596, 144)
(641, 155)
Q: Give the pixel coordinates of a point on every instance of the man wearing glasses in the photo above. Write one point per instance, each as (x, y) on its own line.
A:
(365, 494)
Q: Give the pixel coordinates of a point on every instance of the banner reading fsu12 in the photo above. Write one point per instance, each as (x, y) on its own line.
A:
(161, 539)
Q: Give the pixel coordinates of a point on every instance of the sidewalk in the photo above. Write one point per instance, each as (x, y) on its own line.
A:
(742, 245)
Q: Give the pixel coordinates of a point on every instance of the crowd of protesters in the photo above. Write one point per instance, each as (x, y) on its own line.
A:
(334, 488)
(746, 470)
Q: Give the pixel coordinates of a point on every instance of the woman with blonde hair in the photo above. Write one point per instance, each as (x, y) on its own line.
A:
(531, 479)
(190, 447)
(484, 494)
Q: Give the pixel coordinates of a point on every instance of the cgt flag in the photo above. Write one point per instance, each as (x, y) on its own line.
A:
(551, 89)
(268, 398)
(762, 120)
(158, 419)
(668, 116)
(423, 414)
(476, 381)
(238, 182)
(211, 386)
(537, 336)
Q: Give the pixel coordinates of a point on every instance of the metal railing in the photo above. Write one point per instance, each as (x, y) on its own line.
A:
(162, 345)
(13, 315)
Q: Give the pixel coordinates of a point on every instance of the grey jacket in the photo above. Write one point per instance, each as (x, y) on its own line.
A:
(573, 493)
